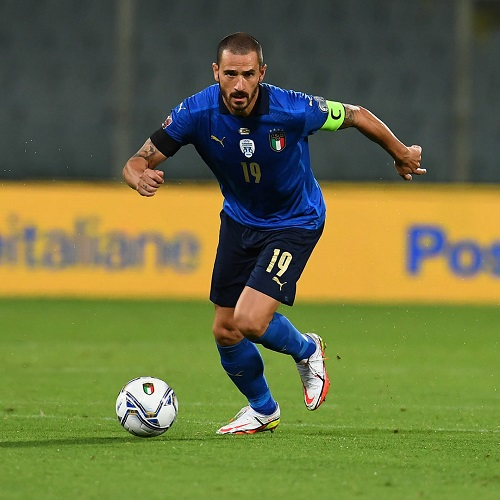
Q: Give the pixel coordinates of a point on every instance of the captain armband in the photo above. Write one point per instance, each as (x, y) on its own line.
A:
(336, 115)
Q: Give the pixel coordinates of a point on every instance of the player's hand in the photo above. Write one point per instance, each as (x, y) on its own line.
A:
(410, 163)
(149, 182)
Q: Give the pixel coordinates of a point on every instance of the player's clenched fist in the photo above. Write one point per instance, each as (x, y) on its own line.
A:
(410, 163)
(149, 182)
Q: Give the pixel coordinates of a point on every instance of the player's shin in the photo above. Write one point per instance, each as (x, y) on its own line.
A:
(245, 367)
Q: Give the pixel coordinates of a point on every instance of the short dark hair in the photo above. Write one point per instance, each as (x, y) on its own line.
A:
(240, 43)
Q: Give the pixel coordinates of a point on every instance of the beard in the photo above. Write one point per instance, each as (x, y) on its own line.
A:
(245, 100)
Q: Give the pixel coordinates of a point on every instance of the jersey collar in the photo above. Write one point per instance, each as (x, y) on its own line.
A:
(261, 106)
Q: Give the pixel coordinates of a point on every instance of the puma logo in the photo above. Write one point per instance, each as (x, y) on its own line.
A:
(218, 140)
(279, 282)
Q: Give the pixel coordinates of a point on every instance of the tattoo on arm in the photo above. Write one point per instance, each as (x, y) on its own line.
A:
(147, 151)
(350, 116)
(151, 154)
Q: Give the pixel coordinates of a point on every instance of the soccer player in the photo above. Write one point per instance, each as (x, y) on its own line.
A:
(254, 138)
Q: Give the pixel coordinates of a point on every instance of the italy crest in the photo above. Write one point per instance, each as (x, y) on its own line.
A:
(148, 388)
(277, 140)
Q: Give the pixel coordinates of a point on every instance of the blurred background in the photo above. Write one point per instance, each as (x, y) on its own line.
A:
(83, 84)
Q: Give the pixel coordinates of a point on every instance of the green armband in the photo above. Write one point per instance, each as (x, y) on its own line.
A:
(336, 115)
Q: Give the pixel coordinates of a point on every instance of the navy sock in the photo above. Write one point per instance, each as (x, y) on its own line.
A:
(282, 336)
(245, 367)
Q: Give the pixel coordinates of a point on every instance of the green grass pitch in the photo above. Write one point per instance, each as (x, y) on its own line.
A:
(413, 411)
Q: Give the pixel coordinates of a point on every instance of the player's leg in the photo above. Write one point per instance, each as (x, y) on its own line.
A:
(253, 311)
(239, 357)
(256, 318)
(243, 363)
(273, 281)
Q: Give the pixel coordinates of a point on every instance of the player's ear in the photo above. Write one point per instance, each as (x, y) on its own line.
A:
(262, 72)
(215, 68)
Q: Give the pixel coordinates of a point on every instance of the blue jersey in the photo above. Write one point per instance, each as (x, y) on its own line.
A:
(261, 161)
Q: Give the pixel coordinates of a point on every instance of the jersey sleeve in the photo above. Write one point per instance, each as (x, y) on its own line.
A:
(179, 123)
(175, 130)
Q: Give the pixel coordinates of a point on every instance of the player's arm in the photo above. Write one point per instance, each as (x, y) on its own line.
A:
(406, 159)
(139, 171)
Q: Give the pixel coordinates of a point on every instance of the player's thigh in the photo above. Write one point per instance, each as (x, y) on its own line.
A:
(282, 261)
(233, 264)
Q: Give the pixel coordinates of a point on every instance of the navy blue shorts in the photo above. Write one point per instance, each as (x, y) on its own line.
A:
(269, 261)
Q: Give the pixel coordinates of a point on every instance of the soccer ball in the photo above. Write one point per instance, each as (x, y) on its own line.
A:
(146, 406)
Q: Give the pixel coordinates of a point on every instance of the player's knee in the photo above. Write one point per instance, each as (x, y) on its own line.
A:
(250, 325)
(226, 335)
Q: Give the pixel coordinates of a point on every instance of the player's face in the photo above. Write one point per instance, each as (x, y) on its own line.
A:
(239, 77)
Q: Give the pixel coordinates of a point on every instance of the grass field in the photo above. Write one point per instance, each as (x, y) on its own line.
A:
(413, 411)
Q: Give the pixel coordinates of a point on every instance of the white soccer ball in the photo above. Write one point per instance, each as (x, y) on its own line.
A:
(146, 406)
